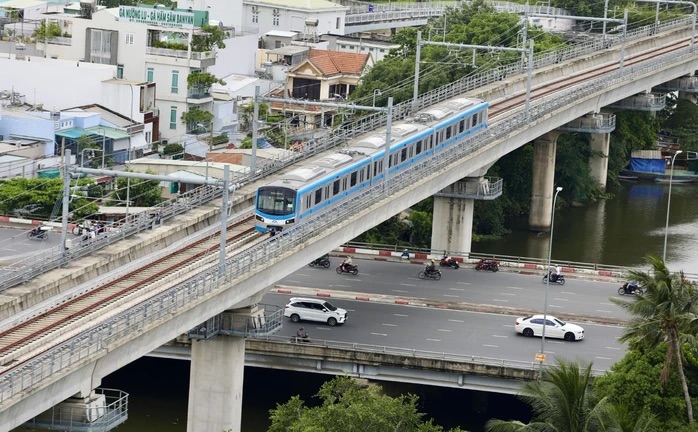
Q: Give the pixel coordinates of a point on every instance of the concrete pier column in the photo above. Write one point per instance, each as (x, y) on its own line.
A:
(688, 96)
(543, 181)
(452, 223)
(215, 390)
(598, 162)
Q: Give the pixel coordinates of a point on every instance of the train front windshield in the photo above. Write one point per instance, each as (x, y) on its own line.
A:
(276, 201)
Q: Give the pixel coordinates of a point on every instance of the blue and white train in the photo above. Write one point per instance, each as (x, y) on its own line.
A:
(322, 182)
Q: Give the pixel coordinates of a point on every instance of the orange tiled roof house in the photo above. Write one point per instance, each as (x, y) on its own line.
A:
(323, 76)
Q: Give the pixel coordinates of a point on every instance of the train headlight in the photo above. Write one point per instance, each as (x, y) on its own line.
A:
(259, 218)
(290, 221)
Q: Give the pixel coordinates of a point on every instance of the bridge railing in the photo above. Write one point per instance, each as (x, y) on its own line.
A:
(184, 296)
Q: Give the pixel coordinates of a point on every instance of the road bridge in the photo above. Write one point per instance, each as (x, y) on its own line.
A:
(78, 364)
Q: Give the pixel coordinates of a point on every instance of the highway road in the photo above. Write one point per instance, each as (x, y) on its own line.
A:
(456, 332)
(581, 298)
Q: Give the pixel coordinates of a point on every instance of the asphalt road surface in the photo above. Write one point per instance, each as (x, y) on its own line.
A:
(581, 298)
(455, 332)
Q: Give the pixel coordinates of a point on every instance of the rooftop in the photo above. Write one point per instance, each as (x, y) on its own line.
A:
(335, 63)
(310, 5)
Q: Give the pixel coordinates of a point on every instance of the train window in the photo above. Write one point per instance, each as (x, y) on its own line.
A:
(411, 151)
(448, 132)
(335, 187)
(438, 138)
(344, 184)
(474, 120)
(327, 192)
(390, 161)
(352, 182)
(308, 201)
(418, 147)
(318, 196)
(368, 171)
(276, 201)
(375, 168)
(461, 126)
(403, 155)
(361, 175)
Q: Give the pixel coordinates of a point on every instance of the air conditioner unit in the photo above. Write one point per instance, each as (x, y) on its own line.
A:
(164, 142)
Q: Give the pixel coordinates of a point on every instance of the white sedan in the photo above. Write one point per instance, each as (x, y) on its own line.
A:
(554, 328)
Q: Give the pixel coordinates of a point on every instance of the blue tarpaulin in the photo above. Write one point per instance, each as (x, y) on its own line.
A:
(648, 165)
(262, 143)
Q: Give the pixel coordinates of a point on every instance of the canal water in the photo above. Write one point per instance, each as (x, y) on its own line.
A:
(620, 231)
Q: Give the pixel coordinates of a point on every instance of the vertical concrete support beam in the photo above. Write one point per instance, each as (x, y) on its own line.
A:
(215, 390)
(452, 224)
(688, 96)
(598, 162)
(543, 181)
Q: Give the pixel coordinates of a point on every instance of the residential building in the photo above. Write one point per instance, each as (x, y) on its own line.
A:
(377, 45)
(308, 17)
(323, 75)
(22, 17)
(146, 44)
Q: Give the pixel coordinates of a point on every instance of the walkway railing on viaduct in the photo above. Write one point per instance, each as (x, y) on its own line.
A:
(119, 329)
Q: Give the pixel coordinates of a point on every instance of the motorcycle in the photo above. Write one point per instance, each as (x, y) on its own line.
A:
(449, 262)
(432, 274)
(555, 278)
(632, 289)
(486, 264)
(320, 262)
(41, 234)
(348, 268)
(302, 338)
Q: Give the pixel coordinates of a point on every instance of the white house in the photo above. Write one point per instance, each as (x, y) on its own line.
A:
(308, 17)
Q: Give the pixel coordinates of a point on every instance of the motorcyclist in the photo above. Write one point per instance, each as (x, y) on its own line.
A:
(347, 264)
(555, 274)
(36, 231)
(431, 267)
(302, 334)
(630, 287)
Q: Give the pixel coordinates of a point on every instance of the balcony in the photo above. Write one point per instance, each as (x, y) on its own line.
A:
(200, 59)
(59, 40)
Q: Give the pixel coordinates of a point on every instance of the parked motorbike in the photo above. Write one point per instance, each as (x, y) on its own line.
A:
(487, 264)
(431, 274)
(630, 289)
(320, 262)
(301, 337)
(348, 268)
(449, 262)
(554, 278)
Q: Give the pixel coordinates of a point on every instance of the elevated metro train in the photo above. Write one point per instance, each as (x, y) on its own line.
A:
(322, 182)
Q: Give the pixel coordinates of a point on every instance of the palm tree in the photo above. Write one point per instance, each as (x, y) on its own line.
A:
(561, 401)
(667, 311)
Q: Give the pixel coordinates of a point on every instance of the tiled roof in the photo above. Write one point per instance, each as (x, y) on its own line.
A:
(335, 62)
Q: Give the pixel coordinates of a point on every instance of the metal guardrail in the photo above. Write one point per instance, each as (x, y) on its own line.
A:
(414, 353)
(441, 6)
(54, 258)
(119, 329)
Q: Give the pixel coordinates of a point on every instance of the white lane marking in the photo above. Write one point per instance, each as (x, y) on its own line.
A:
(507, 294)
(454, 320)
(293, 281)
(606, 304)
(390, 325)
(603, 310)
(416, 279)
(434, 340)
(404, 284)
(9, 249)
(501, 300)
(603, 358)
(302, 274)
(560, 299)
(613, 348)
(401, 315)
(451, 295)
(464, 283)
(501, 336)
(567, 292)
(444, 330)
(343, 286)
(491, 346)
(379, 334)
(355, 280)
(556, 306)
(400, 291)
(507, 325)
(457, 289)
(514, 288)
(322, 328)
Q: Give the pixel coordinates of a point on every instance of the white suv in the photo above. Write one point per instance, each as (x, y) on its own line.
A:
(309, 309)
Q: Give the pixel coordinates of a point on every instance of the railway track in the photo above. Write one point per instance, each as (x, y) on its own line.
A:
(28, 339)
(75, 315)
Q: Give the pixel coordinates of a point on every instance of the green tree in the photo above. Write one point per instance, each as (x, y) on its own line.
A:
(633, 382)
(349, 406)
(143, 193)
(209, 38)
(46, 32)
(683, 124)
(666, 312)
(18, 193)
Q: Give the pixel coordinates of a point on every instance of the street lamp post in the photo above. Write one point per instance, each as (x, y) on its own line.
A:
(668, 203)
(547, 281)
(376, 92)
(104, 148)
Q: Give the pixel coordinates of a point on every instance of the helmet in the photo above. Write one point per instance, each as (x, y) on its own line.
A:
(301, 329)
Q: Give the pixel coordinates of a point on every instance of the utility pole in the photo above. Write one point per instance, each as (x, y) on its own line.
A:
(66, 198)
